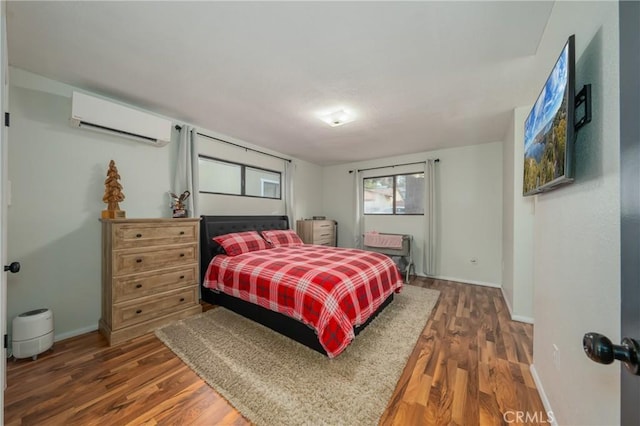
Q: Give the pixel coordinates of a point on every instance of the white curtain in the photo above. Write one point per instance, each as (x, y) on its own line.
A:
(289, 174)
(187, 169)
(357, 209)
(430, 249)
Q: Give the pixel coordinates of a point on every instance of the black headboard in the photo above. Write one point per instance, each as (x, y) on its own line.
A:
(212, 226)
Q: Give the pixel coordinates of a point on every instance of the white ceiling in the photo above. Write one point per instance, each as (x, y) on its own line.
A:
(419, 76)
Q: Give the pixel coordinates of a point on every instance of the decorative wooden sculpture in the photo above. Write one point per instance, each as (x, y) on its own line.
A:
(112, 193)
(177, 203)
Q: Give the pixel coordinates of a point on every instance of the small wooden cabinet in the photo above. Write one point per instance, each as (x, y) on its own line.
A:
(321, 232)
(149, 275)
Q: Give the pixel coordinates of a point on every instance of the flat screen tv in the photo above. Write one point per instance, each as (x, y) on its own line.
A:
(549, 130)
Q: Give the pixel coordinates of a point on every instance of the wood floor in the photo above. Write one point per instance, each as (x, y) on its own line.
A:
(470, 367)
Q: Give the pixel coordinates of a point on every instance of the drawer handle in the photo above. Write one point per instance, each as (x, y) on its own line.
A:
(139, 311)
(138, 235)
(138, 285)
(325, 235)
(181, 254)
(182, 277)
(182, 299)
(181, 232)
(138, 260)
(324, 226)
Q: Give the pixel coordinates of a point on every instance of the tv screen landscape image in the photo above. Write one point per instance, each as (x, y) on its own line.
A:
(549, 129)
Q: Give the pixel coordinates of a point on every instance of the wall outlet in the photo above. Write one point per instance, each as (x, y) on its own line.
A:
(556, 357)
(473, 261)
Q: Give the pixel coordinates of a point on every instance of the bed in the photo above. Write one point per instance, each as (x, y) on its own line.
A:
(223, 285)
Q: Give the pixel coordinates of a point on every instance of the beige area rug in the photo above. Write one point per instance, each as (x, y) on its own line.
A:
(273, 380)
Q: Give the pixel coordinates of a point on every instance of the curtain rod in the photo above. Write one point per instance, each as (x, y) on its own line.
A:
(437, 160)
(236, 145)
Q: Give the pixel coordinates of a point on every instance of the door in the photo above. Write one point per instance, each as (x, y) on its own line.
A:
(630, 197)
(598, 347)
(3, 202)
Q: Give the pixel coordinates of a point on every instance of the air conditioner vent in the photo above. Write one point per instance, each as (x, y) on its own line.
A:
(104, 116)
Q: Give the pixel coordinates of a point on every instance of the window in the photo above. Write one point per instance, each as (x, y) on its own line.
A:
(397, 194)
(225, 177)
(269, 188)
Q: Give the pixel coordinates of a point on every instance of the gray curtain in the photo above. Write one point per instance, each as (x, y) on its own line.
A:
(289, 175)
(430, 237)
(187, 168)
(357, 209)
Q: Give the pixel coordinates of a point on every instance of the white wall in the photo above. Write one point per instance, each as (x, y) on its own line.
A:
(57, 182)
(577, 233)
(507, 216)
(57, 176)
(308, 194)
(470, 213)
(517, 284)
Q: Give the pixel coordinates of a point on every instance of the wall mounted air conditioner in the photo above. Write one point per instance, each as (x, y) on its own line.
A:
(91, 113)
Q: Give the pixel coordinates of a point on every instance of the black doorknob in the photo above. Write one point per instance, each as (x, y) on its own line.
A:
(13, 268)
(600, 349)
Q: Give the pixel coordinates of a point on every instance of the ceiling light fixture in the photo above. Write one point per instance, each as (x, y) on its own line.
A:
(337, 118)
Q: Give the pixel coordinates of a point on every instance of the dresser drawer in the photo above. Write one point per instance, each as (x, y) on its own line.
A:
(133, 261)
(149, 283)
(325, 241)
(137, 311)
(323, 230)
(128, 235)
(323, 225)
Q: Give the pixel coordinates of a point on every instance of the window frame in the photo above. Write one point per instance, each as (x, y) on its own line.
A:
(243, 180)
(393, 203)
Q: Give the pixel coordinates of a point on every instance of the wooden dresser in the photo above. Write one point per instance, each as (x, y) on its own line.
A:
(321, 232)
(149, 275)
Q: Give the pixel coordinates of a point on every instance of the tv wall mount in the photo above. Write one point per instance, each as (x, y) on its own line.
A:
(583, 97)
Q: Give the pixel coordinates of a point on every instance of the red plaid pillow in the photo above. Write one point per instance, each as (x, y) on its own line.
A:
(241, 242)
(282, 238)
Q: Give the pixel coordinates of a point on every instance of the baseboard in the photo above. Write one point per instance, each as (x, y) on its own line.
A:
(506, 302)
(465, 281)
(543, 396)
(521, 318)
(518, 318)
(74, 333)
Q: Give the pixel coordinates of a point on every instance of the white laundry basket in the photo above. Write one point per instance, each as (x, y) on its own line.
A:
(32, 333)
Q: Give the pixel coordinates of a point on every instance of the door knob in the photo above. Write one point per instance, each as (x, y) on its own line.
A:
(600, 349)
(13, 268)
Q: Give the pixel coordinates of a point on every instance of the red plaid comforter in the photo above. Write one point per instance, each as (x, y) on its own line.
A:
(330, 289)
